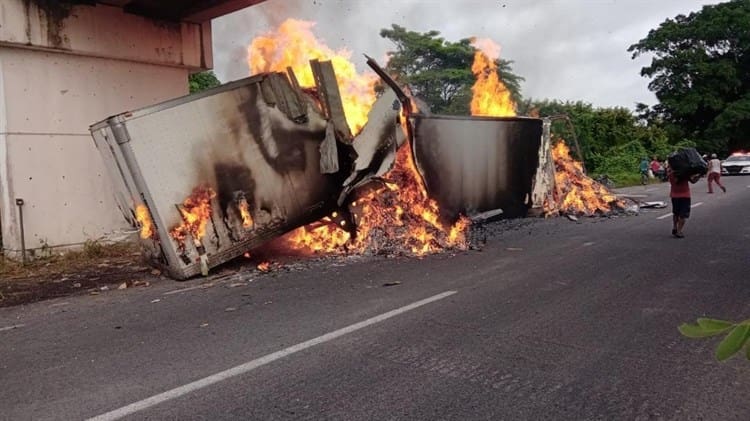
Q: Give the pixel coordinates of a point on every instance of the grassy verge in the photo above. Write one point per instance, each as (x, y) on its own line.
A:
(92, 253)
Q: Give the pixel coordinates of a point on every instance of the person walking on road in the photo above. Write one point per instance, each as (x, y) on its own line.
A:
(714, 174)
(643, 167)
(679, 192)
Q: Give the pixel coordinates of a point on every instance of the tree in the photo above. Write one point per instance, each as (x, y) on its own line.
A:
(439, 71)
(701, 75)
(601, 132)
(202, 81)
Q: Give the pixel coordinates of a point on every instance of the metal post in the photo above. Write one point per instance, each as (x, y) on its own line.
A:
(19, 203)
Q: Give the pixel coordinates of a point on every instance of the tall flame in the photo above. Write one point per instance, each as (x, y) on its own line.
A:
(578, 193)
(143, 217)
(294, 45)
(196, 213)
(400, 213)
(490, 96)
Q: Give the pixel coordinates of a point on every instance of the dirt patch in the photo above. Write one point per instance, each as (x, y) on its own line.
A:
(97, 267)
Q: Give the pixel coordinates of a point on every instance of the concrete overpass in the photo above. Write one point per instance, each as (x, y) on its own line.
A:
(65, 65)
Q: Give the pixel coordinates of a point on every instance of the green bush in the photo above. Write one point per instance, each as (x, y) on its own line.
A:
(620, 160)
(621, 163)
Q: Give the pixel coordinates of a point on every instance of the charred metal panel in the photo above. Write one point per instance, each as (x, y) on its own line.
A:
(477, 164)
(543, 195)
(377, 144)
(328, 89)
(252, 142)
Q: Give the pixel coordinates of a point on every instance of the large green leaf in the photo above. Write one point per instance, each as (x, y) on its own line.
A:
(733, 342)
(697, 331)
(714, 324)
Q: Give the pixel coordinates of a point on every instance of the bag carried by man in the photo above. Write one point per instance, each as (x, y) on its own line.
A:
(686, 163)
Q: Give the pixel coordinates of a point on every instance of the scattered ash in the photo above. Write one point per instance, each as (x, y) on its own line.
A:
(481, 234)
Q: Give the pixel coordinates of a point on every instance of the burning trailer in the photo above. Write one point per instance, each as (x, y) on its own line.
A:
(210, 176)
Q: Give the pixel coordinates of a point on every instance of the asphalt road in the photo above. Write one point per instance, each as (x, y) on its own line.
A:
(552, 320)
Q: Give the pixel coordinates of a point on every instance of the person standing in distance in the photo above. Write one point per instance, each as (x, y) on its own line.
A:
(714, 174)
(680, 193)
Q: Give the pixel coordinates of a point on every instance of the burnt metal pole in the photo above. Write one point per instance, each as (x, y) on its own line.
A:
(19, 203)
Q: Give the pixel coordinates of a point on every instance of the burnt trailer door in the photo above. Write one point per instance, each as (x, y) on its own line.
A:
(477, 164)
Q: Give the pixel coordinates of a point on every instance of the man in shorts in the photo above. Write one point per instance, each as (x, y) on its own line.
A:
(714, 174)
(680, 194)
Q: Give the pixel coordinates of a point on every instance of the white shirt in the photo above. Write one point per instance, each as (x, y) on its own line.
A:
(714, 165)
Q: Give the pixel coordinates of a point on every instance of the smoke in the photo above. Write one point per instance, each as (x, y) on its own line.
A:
(566, 49)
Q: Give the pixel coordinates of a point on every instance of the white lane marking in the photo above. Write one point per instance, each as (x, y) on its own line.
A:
(651, 189)
(3, 329)
(667, 215)
(589, 243)
(252, 365)
(177, 291)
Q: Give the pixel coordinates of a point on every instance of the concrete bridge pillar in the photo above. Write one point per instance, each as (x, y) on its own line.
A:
(63, 67)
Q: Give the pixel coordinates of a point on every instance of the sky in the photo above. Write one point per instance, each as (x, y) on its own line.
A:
(565, 49)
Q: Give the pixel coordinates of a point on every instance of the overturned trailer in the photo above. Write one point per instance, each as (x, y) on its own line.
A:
(264, 155)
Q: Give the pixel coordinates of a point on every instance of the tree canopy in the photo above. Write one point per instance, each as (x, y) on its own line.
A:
(700, 74)
(439, 71)
(613, 140)
(202, 81)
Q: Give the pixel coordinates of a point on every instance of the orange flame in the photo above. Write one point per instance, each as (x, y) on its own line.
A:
(402, 210)
(294, 45)
(578, 193)
(247, 219)
(322, 237)
(398, 215)
(399, 212)
(264, 266)
(490, 96)
(143, 217)
(196, 212)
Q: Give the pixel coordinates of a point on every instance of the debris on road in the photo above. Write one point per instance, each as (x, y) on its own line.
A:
(654, 205)
(392, 283)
